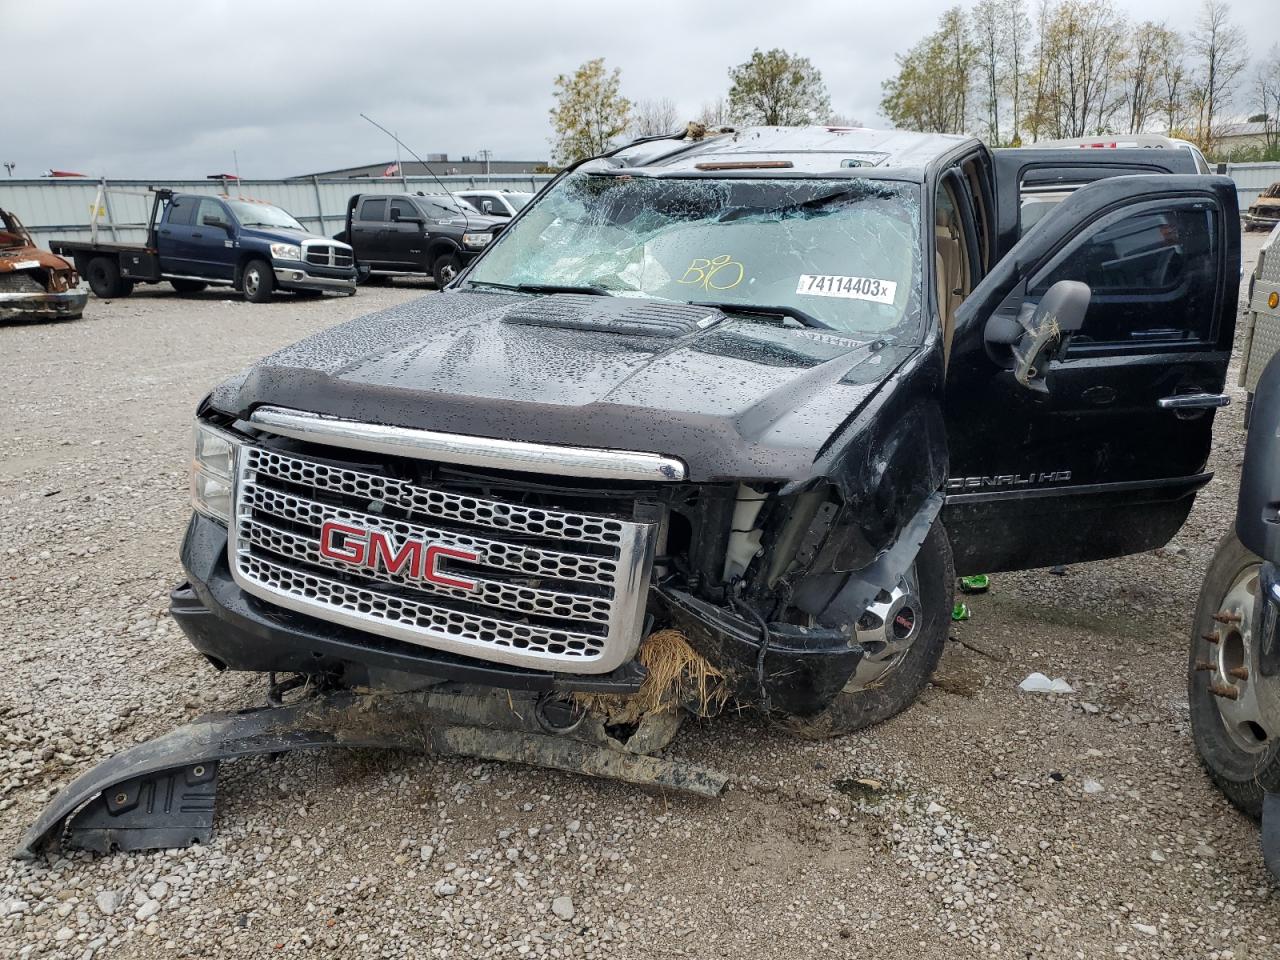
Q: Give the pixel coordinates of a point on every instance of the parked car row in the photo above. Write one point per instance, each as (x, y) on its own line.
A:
(194, 241)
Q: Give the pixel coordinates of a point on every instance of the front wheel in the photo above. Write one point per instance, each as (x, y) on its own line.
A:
(904, 636)
(446, 269)
(1234, 717)
(257, 282)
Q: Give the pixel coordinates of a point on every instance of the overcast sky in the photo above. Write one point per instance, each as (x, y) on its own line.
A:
(170, 89)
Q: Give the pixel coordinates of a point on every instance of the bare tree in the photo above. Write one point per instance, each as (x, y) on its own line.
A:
(1267, 90)
(651, 118)
(988, 34)
(714, 113)
(1171, 79)
(1017, 31)
(1139, 75)
(1223, 53)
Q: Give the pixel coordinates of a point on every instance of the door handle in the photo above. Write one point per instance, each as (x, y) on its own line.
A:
(166, 232)
(1193, 401)
(197, 235)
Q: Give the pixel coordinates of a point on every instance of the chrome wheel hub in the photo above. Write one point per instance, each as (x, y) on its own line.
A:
(252, 281)
(1248, 702)
(887, 629)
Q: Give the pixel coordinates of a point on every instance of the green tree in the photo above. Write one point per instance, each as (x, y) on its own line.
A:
(590, 112)
(777, 89)
(931, 89)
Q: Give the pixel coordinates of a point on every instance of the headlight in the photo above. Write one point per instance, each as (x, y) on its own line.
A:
(285, 251)
(476, 239)
(212, 470)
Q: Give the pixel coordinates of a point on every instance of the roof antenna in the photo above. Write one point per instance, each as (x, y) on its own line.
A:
(399, 143)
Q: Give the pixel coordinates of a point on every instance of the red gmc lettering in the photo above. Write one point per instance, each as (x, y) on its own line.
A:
(354, 552)
(377, 551)
(431, 571)
(410, 554)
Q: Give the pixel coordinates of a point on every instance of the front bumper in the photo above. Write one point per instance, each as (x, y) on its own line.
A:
(304, 276)
(68, 305)
(801, 670)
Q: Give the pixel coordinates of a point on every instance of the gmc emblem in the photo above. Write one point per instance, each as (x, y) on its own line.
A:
(375, 551)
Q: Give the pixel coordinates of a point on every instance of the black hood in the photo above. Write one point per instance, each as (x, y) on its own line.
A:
(733, 398)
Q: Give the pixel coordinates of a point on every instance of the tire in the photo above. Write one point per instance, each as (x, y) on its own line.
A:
(257, 281)
(445, 269)
(853, 710)
(1243, 764)
(103, 275)
(188, 286)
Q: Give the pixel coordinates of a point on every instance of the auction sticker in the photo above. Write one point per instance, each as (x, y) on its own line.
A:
(25, 265)
(850, 288)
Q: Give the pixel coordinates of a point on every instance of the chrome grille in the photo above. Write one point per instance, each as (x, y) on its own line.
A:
(328, 255)
(544, 588)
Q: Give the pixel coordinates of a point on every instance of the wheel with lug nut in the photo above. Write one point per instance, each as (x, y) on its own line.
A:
(257, 281)
(903, 633)
(1235, 709)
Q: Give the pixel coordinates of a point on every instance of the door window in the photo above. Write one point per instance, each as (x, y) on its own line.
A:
(374, 209)
(1153, 272)
(212, 209)
(182, 211)
(404, 210)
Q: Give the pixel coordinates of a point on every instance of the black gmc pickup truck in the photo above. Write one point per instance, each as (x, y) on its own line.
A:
(767, 390)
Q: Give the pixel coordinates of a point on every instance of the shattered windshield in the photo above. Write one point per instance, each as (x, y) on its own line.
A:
(843, 252)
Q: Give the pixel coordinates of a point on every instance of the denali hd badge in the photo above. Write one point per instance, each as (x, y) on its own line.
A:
(375, 551)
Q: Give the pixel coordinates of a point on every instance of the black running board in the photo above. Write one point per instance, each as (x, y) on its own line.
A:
(160, 794)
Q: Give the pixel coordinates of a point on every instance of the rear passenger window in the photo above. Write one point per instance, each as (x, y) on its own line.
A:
(182, 211)
(1153, 273)
(375, 209)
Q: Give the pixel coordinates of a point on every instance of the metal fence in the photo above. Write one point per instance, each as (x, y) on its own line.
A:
(64, 208)
(1251, 179)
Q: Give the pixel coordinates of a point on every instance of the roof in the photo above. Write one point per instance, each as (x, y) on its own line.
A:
(1254, 128)
(809, 149)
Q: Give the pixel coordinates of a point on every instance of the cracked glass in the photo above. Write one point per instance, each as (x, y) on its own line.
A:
(840, 253)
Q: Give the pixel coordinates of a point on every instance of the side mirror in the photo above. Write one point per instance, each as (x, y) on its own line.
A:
(1258, 511)
(486, 206)
(1025, 343)
(209, 220)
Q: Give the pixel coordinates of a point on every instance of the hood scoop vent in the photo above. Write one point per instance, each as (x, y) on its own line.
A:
(637, 318)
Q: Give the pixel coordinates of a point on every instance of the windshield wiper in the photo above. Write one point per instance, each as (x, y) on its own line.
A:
(544, 287)
(795, 313)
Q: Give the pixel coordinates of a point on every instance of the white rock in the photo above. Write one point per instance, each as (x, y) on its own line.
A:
(108, 901)
(1146, 928)
(934, 809)
(562, 907)
(444, 889)
(1157, 856)
(1039, 683)
(158, 890)
(1092, 786)
(426, 853)
(147, 911)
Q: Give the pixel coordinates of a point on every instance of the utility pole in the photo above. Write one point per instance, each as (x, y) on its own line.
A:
(485, 155)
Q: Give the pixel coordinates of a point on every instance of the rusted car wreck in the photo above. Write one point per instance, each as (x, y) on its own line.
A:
(35, 284)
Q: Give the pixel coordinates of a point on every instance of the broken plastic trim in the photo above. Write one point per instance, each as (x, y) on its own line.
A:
(161, 793)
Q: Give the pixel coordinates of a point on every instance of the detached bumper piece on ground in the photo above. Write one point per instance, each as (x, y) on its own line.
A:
(160, 794)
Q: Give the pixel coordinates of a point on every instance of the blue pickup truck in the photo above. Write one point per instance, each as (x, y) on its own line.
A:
(194, 241)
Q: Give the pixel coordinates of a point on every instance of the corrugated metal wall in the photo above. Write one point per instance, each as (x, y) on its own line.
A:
(1251, 179)
(63, 208)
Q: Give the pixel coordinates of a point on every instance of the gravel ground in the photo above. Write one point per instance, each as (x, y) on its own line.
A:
(1004, 823)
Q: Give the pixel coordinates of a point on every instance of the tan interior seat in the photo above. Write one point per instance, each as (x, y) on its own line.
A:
(951, 272)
